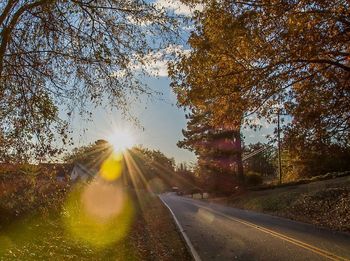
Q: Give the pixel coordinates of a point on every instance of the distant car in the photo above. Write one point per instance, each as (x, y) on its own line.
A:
(179, 193)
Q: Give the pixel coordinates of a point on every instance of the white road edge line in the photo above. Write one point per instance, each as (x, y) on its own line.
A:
(185, 237)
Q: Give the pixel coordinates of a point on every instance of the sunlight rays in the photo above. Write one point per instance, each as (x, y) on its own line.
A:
(121, 140)
(132, 165)
(169, 176)
(134, 174)
(100, 211)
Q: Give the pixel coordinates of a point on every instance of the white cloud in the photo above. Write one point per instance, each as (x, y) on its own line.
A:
(156, 63)
(157, 67)
(178, 7)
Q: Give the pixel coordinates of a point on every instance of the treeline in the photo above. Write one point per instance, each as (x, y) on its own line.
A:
(262, 167)
(141, 168)
(252, 60)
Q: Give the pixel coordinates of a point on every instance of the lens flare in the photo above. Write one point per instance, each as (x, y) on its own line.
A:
(98, 213)
(102, 200)
(112, 168)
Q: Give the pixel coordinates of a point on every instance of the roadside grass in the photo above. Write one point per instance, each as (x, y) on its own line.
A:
(323, 203)
(268, 203)
(39, 232)
(44, 238)
(162, 236)
(325, 177)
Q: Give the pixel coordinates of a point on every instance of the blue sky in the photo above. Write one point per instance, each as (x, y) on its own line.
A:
(161, 124)
(160, 119)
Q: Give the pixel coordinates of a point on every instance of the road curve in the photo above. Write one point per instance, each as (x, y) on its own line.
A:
(218, 232)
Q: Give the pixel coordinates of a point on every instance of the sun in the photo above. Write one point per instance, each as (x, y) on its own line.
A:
(121, 140)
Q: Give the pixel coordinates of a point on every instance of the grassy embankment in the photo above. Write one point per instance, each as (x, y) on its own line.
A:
(323, 203)
(32, 227)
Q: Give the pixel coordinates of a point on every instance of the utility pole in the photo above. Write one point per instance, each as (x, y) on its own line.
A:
(279, 146)
(238, 147)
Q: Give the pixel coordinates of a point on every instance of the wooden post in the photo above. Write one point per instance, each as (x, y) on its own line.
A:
(279, 147)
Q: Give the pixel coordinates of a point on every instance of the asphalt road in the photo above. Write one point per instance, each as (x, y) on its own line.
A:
(218, 232)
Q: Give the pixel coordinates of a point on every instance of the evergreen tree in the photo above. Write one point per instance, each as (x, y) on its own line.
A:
(218, 151)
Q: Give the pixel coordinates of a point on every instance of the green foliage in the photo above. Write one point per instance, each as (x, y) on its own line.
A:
(141, 167)
(42, 235)
(218, 151)
(146, 168)
(21, 194)
(309, 161)
(91, 155)
(185, 178)
(263, 162)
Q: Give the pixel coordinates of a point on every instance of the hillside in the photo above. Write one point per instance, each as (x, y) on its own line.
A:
(323, 203)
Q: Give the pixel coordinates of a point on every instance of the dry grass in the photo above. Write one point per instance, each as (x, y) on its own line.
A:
(323, 203)
(31, 228)
(157, 232)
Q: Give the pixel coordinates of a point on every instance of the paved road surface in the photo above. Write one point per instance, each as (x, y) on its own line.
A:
(218, 232)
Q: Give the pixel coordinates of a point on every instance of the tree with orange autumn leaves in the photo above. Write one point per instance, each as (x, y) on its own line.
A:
(248, 59)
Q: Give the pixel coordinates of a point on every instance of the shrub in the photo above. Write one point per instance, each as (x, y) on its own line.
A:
(21, 194)
(253, 178)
